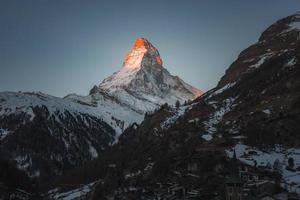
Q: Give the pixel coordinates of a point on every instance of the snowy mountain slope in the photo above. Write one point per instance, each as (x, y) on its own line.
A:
(143, 83)
(117, 115)
(45, 135)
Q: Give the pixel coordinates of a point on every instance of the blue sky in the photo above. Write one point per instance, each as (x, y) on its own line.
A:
(67, 46)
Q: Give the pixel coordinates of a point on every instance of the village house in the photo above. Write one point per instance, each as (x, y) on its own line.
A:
(234, 189)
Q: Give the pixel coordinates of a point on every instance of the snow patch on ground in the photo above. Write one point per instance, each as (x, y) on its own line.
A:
(93, 151)
(291, 62)
(196, 120)
(133, 174)
(24, 163)
(261, 61)
(249, 60)
(267, 111)
(294, 26)
(171, 120)
(239, 137)
(176, 114)
(225, 87)
(148, 167)
(217, 116)
(3, 133)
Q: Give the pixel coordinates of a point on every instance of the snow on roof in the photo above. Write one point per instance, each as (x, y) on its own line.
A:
(207, 137)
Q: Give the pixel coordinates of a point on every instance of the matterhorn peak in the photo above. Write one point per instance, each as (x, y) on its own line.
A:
(143, 84)
(142, 54)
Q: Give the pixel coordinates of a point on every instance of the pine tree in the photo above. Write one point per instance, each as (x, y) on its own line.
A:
(291, 162)
(177, 104)
(277, 167)
(234, 155)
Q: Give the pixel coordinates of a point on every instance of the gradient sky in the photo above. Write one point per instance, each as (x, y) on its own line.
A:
(67, 46)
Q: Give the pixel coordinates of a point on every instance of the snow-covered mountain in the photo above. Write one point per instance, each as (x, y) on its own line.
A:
(143, 83)
(39, 131)
(140, 86)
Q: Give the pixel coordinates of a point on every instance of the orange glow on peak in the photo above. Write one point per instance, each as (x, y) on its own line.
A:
(136, 56)
(139, 43)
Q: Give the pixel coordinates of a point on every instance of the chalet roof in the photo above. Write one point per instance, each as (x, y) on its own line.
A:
(265, 194)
